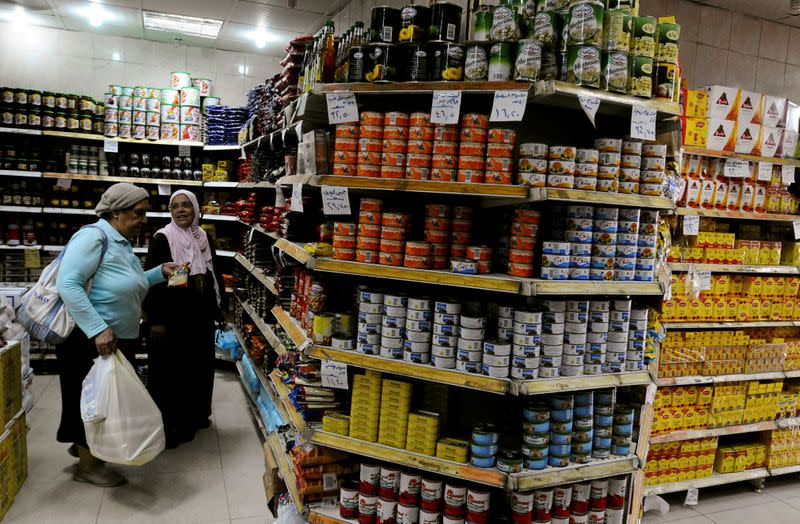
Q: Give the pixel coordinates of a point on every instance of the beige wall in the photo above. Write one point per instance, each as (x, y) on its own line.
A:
(722, 47)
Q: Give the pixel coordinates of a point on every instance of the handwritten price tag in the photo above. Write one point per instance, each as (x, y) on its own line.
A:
(342, 108)
(796, 226)
(334, 374)
(297, 198)
(509, 106)
(736, 168)
(704, 280)
(445, 107)
(64, 183)
(691, 225)
(335, 200)
(110, 146)
(764, 171)
(590, 105)
(164, 189)
(643, 123)
(184, 150)
(280, 200)
(787, 175)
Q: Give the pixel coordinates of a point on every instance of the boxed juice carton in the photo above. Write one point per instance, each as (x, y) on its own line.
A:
(696, 103)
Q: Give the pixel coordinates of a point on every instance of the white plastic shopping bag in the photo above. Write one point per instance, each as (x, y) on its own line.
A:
(94, 393)
(132, 432)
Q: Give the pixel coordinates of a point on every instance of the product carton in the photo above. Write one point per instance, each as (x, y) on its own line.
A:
(792, 119)
(721, 134)
(773, 111)
(749, 107)
(788, 147)
(723, 102)
(696, 103)
(747, 137)
(695, 132)
(770, 141)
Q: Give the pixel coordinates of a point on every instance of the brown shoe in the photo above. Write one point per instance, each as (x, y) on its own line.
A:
(101, 477)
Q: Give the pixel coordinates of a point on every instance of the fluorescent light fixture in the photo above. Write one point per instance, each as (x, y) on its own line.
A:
(18, 16)
(186, 25)
(96, 14)
(261, 37)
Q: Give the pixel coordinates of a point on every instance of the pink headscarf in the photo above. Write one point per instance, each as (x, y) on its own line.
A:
(190, 244)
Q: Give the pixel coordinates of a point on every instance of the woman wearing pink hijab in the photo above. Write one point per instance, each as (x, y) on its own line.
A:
(182, 318)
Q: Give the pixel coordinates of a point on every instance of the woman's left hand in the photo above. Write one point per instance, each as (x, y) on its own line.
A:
(168, 269)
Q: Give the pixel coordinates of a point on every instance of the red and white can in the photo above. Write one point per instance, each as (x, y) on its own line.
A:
(348, 500)
(559, 520)
(522, 507)
(617, 488)
(615, 515)
(389, 483)
(580, 498)
(477, 506)
(409, 488)
(579, 518)
(430, 494)
(562, 498)
(455, 498)
(367, 507)
(369, 479)
(596, 517)
(598, 495)
(542, 505)
(407, 514)
(447, 519)
(386, 511)
(429, 517)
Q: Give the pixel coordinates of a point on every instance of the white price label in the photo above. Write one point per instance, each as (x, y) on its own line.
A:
(796, 226)
(334, 374)
(691, 225)
(736, 168)
(164, 189)
(704, 280)
(764, 171)
(643, 123)
(297, 198)
(445, 107)
(787, 175)
(280, 200)
(329, 482)
(590, 104)
(110, 146)
(184, 150)
(335, 200)
(692, 495)
(509, 106)
(64, 183)
(342, 108)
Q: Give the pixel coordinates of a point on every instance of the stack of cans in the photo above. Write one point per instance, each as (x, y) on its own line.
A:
(637, 340)
(582, 431)
(395, 406)
(523, 240)
(609, 162)
(417, 346)
(597, 337)
(536, 435)
(623, 430)
(365, 406)
(561, 413)
(496, 358)
(527, 340)
(445, 330)
(437, 233)
(553, 327)
(586, 169)
(393, 323)
(423, 432)
(617, 326)
(630, 166)
(483, 448)
(369, 230)
(370, 316)
(575, 333)
(470, 340)
(603, 419)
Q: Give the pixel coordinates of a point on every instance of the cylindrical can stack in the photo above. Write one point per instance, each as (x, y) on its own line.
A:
(190, 117)
(393, 238)
(365, 406)
(392, 329)
(500, 156)
(586, 171)
(630, 165)
(345, 157)
(496, 358)
(423, 432)
(532, 164)
(654, 158)
(472, 162)
(618, 322)
(370, 316)
(417, 346)
(596, 502)
(561, 167)
(553, 328)
(484, 445)
(602, 423)
(460, 236)
(637, 340)
(344, 241)
(370, 144)
(170, 113)
(395, 407)
(445, 145)
(471, 334)
(420, 147)
(444, 344)
(560, 446)
(369, 229)
(609, 159)
(437, 233)
(395, 144)
(523, 240)
(582, 428)
(622, 434)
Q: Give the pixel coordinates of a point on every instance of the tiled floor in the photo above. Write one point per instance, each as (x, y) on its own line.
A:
(214, 479)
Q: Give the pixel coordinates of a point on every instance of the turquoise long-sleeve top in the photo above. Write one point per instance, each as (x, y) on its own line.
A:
(119, 284)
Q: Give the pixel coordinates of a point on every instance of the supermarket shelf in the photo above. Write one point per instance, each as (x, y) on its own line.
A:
(738, 215)
(285, 467)
(224, 253)
(409, 369)
(25, 174)
(327, 515)
(295, 251)
(675, 436)
(419, 186)
(726, 324)
(258, 228)
(20, 209)
(556, 385)
(253, 142)
(291, 411)
(570, 92)
(730, 154)
(225, 183)
(595, 469)
(465, 472)
(291, 327)
(598, 197)
(718, 379)
(592, 287)
(68, 211)
(131, 180)
(4, 247)
(220, 218)
(259, 322)
(268, 281)
(787, 470)
(19, 131)
(714, 480)
(81, 136)
(101, 138)
(227, 147)
(737, 268)
(792, 374)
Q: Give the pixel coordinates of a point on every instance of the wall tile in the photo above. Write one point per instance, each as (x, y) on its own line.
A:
(229, 62)
(232, 89)
(688, 61)
(710, 66)
(201, 61)
(741, 70)
(653, 7)
(138, 51)
(793, 56)
(774, 41)
(169, 55)
(104, 47)
(73, 43)
(716, 27)
(791, 83)
(745, 34)
(770, 76)
(688, 15)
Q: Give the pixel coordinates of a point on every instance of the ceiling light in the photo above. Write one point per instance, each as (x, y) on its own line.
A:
(18, 16)
(115, 56)
(243, 70)
(261, 37)
(187, 25)
(96, 15)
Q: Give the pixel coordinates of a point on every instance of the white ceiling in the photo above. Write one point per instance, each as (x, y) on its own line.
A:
(775, 10)
(240, 18)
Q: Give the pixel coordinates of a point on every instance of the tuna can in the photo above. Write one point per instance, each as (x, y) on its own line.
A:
(476, 64)
(417, 62)
(356, 63)
(481, 23)
(447, 59)
(445, 22)
(584, 65)
(585, 23)
(386, 510)
(382, 63)
(529, 60)
(640, 82)
(617, 30)
(385, 24)
(615, 70)
(415, 21)
(644, 30)
(666, 81)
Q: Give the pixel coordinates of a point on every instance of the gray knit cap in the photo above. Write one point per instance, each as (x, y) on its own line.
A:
(120, 196)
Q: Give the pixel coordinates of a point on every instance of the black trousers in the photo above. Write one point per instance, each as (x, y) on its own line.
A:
(75, 358)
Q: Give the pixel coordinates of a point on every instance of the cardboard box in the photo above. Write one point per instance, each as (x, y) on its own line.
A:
(723, 102)
(749, 110)
(695, 132)
(792, 119)
(773, 111)
(769, 141)
(747, 137)
(696, 103)
(721, 134)
(788, 147)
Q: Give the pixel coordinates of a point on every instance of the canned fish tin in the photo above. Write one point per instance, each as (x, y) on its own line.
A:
(585, 23)
(447, 59)
(644, 29)
(476, 64)
(529, 60)
(584, 65)
(545, 28)
(615, 70)
(640, 82)
(500, 61)
(445, 22)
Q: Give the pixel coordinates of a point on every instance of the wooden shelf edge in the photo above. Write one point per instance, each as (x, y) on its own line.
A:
(552, 476)
(562, 384)
(716, 479)
(291, 327)
(690, 434)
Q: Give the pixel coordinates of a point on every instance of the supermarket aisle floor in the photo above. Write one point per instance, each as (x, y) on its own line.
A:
(214, 479)
(779, 503)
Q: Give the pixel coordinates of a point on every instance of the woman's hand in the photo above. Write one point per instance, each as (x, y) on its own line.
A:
(168, 269)
(106, 342)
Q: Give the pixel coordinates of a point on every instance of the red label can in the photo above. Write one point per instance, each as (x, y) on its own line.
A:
(409, 488)
(429, 517)
(431, 494)
(348, 500)
(455, 497)
(407, 514)
(562, 498)
(580, 498)
(369, 479)
(389, 483)
(542, 505)
(522, 507)
(367, 508)
(386, 511)
(617, 487)
(596, 517)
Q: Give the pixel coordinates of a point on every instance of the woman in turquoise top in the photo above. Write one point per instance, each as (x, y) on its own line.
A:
(108, 316)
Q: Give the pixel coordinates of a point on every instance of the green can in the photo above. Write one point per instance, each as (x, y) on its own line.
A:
(529, 60)
(546, 5)
(563, 18)
(668, 36)
(545, 28)
(617, 30)
(505, 22)
(501, 58)
(641, 78)
(585, 23)
(476, 62)
(625, 5)
(616, 69)
(482, 22)
(644, 36)
(549, 69)
(584, 65)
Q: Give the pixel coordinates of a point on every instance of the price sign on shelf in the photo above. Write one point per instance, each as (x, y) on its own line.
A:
(445, 107)
(590, 104)
(704, 280)
(297, 198)
(64, 183)
(787, 175)
(184, 150)
(643, 123)
(764, 171)
(508, 106)
(691, 225)
(736, 168)
(342, 107)
(164, 189)
(110, 146)
(335, 200)
(280, 200)
(334, 374)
